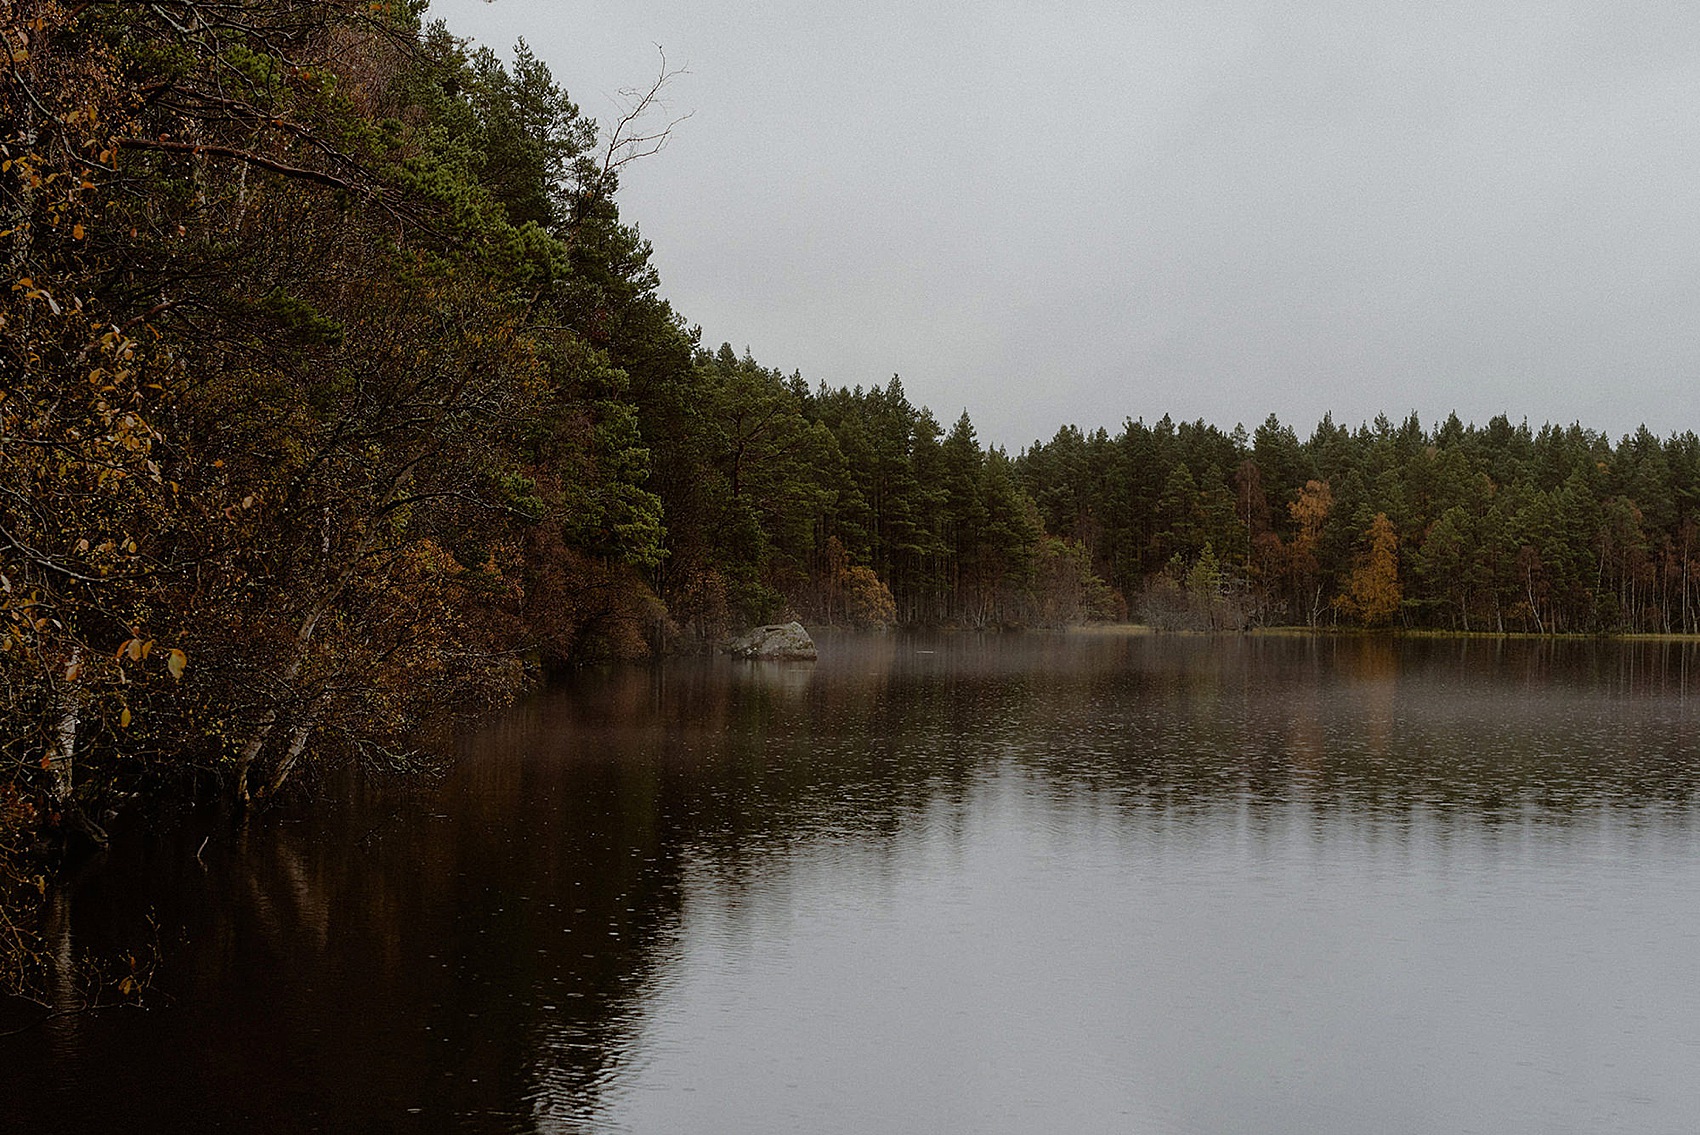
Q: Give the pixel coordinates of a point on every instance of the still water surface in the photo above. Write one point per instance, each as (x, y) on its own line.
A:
(1079, 883)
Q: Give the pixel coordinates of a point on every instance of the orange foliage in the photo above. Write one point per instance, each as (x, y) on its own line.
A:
(1372, 594)
(1310, 510)
(867, 600)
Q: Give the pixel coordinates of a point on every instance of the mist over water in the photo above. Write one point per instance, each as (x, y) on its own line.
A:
(962, 883)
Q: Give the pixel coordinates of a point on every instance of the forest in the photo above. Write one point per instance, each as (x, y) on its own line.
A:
(337, 396)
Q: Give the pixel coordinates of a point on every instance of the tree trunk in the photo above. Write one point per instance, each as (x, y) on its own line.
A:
(303, 639)
(60, 758)
(297, 743)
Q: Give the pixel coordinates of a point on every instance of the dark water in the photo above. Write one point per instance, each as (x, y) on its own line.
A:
(1011, 884)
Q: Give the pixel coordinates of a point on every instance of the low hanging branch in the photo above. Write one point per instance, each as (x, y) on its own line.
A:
(395, 204)
(246, 156)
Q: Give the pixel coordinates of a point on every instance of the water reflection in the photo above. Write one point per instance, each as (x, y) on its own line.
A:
(956, 883)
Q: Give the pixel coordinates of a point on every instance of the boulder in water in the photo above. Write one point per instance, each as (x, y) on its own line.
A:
(777, 642)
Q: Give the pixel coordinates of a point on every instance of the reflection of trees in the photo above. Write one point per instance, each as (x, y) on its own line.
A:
(50, 976)
(489, 950)
(1385, 724)
(326, 975)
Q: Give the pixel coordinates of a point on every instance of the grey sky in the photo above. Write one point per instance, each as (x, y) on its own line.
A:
(1079, 212)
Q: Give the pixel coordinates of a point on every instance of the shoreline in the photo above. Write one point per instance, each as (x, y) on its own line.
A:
(1139, 629)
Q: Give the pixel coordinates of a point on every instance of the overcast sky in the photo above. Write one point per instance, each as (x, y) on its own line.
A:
(1081, 212)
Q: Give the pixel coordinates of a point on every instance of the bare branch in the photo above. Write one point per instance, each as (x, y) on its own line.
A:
(628, 141)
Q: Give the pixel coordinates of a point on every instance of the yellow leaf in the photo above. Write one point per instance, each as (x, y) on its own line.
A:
(124, 718)
(176, 662)
(135, 649)
(76, 232)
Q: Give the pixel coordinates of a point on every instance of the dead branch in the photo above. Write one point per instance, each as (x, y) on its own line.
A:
(627, 141)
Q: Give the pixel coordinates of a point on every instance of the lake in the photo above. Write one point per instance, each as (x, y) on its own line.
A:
(1016, 883)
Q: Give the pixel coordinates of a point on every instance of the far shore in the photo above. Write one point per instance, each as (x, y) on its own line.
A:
(1389, 632)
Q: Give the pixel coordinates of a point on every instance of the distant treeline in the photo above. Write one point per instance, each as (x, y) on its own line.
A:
(1496, 528)
(337, 393)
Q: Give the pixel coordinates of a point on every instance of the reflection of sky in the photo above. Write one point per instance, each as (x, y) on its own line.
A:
(1168, 884)
(1071, 964)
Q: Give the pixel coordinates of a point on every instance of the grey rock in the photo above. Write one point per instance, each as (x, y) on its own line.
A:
(777, 642)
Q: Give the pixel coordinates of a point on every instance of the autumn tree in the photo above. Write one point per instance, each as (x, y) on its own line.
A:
(1372, 594)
